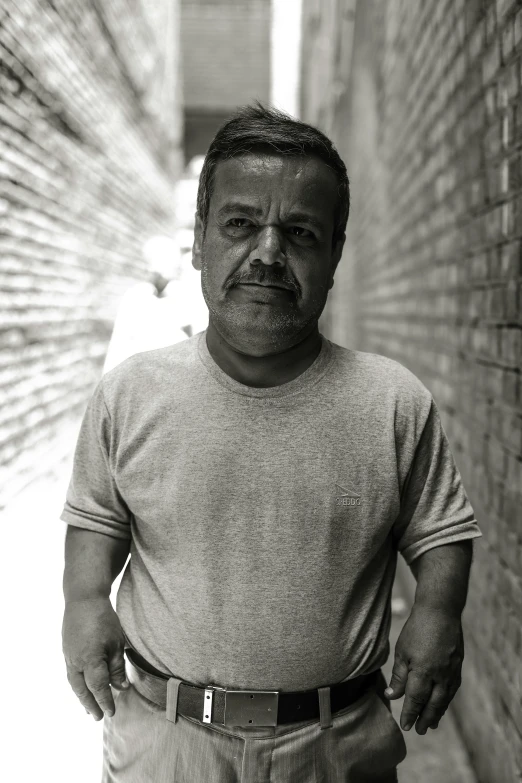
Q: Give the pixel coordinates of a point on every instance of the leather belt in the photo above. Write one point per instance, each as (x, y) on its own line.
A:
(231, 707)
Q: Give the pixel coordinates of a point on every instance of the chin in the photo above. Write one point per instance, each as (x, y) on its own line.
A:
(262, 339)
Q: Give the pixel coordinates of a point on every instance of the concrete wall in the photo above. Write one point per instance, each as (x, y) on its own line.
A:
(427, 117)
(90, 131)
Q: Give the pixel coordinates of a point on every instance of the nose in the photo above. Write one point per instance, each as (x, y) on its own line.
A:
(269, 249)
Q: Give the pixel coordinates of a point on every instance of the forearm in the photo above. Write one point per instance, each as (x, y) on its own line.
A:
(92, 563)
(442, 575)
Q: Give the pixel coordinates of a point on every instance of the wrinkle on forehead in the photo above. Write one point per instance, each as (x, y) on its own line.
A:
(275, 162)
(277, 182)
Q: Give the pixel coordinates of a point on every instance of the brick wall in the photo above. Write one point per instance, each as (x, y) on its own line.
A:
(225, 47)
(428, 119)
(89, 152)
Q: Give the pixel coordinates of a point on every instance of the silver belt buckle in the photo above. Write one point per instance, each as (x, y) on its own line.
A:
(251, 708)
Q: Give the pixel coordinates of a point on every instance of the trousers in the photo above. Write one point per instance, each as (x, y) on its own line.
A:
(362, 744)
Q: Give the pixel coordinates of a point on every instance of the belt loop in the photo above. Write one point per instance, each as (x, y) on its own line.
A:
(172, 698)
(325, 710)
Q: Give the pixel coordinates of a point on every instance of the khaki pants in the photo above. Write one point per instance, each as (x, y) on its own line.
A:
(364, 744)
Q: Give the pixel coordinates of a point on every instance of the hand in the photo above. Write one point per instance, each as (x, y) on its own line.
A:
(93, 644)
(428, 662)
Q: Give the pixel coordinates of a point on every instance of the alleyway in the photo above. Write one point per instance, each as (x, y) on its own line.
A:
(102, 105)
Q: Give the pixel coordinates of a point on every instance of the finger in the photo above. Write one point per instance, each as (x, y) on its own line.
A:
(97, 680)
(77, 682)
(434, 709)
(398, 679)
(117, 673)
(418, 692)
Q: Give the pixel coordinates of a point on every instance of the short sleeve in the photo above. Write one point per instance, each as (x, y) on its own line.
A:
(93, 501)
(435, 509)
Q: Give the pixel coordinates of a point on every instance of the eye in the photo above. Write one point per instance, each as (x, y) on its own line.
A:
(239, 223)
(299, 231)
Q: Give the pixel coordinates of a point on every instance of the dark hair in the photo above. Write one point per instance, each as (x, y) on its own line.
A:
(254, 127)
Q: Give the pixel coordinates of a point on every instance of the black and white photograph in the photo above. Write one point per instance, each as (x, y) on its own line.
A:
(261, 391)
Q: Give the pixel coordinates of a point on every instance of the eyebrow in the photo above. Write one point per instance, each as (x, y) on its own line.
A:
(237, 206)
(247, 209)
(303, 217)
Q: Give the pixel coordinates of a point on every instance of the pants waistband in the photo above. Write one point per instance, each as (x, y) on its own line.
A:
(213, 704)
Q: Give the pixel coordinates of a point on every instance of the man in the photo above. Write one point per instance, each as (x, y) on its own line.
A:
(264, 479)
(152, 314)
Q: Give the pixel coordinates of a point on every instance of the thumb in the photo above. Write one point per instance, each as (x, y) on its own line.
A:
(117, 674)
(398, 679)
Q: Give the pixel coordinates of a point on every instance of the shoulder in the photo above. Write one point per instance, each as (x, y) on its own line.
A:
(139, 374)
(386, 372)
(386, 381)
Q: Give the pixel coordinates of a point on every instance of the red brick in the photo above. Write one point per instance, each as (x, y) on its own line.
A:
(511, 387)
(511, 430)
(477, 40)
(514, 173)
(508, 219)
(491, 62)
(508, 41)
(491, 23)
(504, 7)
(511, 260)
(491, 100)
(511, 310)
(512, 346)
(493, 139)
(513, 80)
(517, 29)
(494, 302)
(494, 263)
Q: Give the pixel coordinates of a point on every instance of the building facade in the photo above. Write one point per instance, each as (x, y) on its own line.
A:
(225, 47)
(425, 110)
(90, 149)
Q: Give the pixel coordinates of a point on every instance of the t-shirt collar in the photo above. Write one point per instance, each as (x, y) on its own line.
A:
(301, 383)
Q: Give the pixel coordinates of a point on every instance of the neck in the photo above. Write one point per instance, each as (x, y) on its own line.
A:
(263, 371)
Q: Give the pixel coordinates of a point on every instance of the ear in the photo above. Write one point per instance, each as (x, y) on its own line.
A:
(336, 257)
(196, 247)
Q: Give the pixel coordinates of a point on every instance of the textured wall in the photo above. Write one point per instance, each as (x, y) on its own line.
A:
(429, 122)
(225, 47)
(89, 151)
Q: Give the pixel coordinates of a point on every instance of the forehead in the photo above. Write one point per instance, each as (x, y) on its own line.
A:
(290, 180)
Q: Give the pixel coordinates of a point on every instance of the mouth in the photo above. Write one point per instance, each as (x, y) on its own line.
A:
(271, 285)
(260, 292)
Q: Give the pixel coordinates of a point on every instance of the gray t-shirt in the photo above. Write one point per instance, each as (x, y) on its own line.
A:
(264, 522)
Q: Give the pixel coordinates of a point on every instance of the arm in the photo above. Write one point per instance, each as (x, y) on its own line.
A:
(442, 575)
(430, 649)
(92, 638)
(92, 563)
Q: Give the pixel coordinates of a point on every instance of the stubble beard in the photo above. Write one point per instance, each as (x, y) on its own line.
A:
(279, 327)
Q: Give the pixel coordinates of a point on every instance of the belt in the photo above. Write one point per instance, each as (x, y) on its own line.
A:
(231, 707)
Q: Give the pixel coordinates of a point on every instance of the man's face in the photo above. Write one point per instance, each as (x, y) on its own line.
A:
(271, 221)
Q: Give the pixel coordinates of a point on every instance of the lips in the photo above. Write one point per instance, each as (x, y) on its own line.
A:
(275, 295)
(269, 285)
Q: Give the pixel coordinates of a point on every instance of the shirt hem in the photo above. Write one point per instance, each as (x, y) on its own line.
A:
(87, 523)
(414, 551)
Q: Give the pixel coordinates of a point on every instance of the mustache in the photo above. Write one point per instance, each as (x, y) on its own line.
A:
(264, 278)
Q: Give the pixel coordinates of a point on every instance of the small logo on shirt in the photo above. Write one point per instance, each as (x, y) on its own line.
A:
(348, 497)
